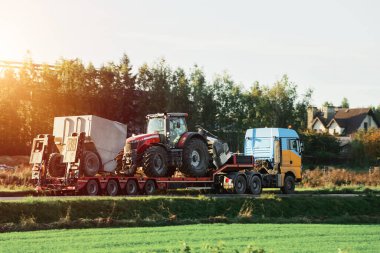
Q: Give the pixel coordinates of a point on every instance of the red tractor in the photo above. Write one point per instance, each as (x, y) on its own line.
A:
(168, 145)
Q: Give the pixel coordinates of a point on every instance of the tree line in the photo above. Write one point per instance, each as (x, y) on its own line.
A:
(31, 97)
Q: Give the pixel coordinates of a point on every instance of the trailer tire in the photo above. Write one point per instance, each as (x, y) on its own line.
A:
(131, 188)
(90, 163)
(92, 188)
(240, 184)
(289, 185)
(155, 161)
(149, 187)
(255, 185)
(195, 158)
(54, 166)
(112, 187)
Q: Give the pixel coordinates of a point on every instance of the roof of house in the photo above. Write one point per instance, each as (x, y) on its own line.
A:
(349, 119)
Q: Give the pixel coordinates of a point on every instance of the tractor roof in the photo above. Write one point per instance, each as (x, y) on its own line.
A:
(168, 114)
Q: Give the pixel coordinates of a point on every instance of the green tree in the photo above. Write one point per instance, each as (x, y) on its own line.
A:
(345, 103)
(327, 103)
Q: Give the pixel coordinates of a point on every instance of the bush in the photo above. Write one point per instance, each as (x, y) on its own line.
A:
(320, 148)
(365, 148)
(339, 177)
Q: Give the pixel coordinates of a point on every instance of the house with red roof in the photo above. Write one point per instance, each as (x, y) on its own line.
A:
(340, 121)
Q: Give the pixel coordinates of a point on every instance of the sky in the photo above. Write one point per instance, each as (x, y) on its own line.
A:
(332, 47)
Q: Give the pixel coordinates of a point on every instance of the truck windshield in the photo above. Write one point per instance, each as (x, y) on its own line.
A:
(156, 125)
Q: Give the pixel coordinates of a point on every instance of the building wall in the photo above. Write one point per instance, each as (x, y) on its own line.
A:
(370, 123)
(319, 127)
(335, 129)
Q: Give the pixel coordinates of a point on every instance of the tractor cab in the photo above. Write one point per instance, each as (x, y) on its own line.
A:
(170, 127)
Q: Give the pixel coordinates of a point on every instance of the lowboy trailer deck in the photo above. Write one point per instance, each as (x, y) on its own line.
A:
(237, 176)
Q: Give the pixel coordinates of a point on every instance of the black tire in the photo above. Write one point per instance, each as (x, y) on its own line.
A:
(255, 185)
(289, 185)
(54, 166)
(155, 162)
(195, 158)
(90, 163)
(92, 188)
(240, 184)
(149, 187)
(131, 188)
(112, 187)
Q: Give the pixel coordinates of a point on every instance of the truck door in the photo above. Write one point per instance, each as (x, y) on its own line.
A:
(295, 156)
(285, 154)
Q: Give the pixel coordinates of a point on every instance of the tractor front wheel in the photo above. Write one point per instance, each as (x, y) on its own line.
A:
(54, 166)
(155, 162)
(90, 163)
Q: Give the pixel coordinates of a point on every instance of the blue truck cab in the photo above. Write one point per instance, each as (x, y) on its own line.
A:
(277, 155)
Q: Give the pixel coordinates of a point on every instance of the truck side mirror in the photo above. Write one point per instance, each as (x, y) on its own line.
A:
(301, 147)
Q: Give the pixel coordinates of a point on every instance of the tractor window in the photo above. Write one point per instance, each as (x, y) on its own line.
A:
(177, 128)
(156, 125)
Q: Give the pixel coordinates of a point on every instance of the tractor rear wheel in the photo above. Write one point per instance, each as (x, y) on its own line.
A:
(54, 166)
(90, 163)
(155, 162)
(195, 158)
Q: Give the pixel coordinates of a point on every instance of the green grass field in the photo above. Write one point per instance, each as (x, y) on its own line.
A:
(200, 238)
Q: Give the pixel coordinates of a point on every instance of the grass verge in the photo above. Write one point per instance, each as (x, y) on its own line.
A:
(47, 213)
(201, 238)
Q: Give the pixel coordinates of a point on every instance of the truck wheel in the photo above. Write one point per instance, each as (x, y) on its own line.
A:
(155, 162)
(112, 187)
(92, 188)
(131, 187)
(54, 166)
(255, 185)
(90, 163)
(195, 158)
(149, 187)
(240, 184)
(289, 185)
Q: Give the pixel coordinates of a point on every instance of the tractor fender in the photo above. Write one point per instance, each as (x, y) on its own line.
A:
(186, 137)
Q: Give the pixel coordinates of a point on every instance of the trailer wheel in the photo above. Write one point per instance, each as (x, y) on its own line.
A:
(255, 185)
(195, 158)
(90, 163)
(155, 162)
(131, 187)
(240, 184)
(92, 188)
(149, 187)
(112, 187)
(289, 185)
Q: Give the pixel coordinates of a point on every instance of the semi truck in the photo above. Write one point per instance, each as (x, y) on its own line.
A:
(167, 156)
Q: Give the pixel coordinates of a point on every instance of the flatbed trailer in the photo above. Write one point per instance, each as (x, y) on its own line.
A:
(236, 177)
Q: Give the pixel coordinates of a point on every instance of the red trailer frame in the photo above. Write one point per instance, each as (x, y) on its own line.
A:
(227, 173)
